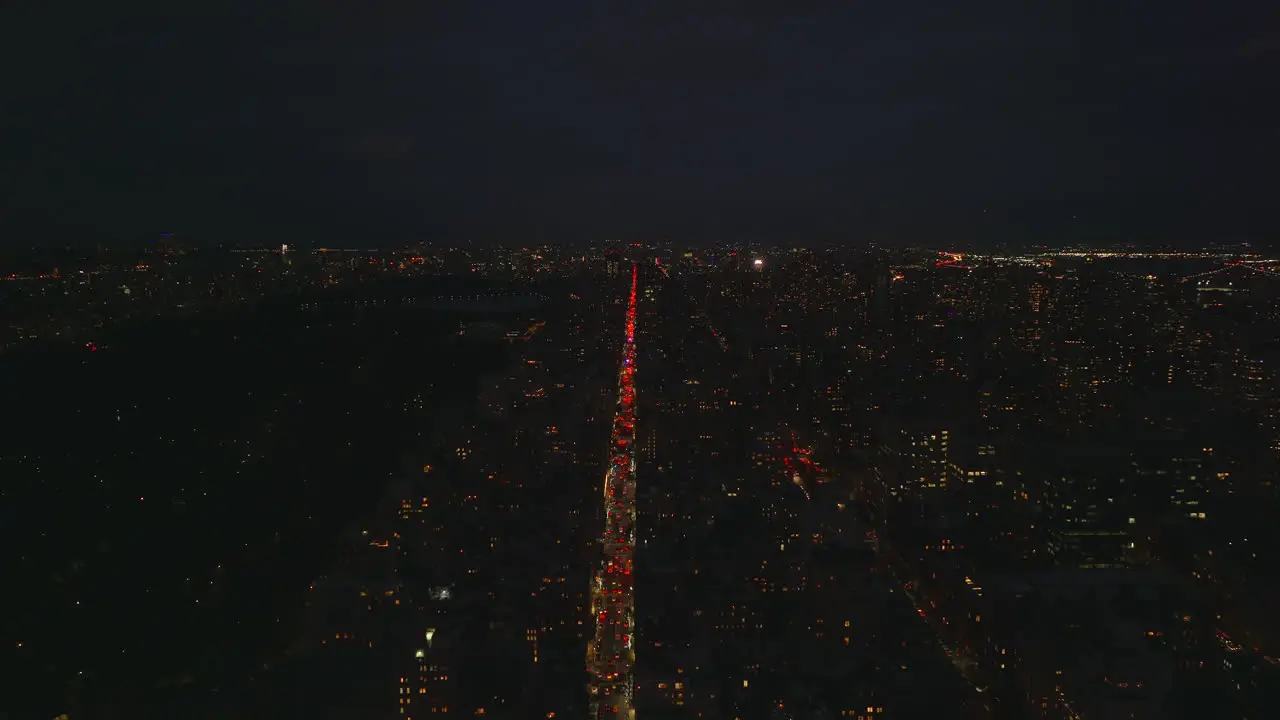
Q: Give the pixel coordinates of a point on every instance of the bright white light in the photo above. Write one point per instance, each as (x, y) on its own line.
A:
(759, 262)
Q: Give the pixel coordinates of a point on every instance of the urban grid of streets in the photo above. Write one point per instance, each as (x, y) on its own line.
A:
(611, 654)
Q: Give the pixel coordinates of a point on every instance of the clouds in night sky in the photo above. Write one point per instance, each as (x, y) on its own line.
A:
(847, 121)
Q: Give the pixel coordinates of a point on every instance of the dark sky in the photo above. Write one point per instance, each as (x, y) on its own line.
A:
(703, 120)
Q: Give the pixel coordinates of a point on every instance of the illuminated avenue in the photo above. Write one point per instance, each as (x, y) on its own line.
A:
(611, 654)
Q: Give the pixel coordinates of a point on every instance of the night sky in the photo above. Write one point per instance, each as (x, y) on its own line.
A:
(378, 122)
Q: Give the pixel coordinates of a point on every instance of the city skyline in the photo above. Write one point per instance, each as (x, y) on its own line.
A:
(656, 360)
(547, 483)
